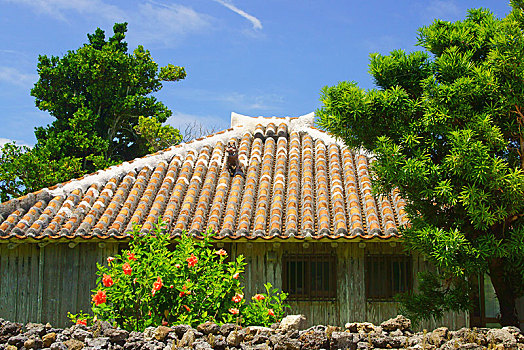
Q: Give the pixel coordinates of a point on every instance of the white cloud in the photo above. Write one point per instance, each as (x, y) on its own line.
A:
(441, 9)
(13, 76)
(240, 101)
(383, 44)
(60, 8)
(150, 22)
(167, 24)
(234, 100)
(254, 21)
(3, 141)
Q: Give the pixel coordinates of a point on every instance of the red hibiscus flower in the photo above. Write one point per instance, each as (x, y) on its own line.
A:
(192, 260)
(237, 298)
(131, 256)
(99, 297)
(107, 280)
(234, 311)
(84, 322)
(258, 297)
(221, 252)
(236, 275)
(127, 269)
(157, 285)
(187, 308)
(270, 312)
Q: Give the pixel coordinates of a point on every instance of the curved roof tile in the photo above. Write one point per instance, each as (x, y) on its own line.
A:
(296, 182)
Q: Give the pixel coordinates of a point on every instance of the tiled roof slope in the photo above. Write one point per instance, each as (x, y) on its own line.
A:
(299, 182)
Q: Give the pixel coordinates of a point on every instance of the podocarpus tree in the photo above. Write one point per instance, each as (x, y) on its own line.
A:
(97, 94)
(101, 78)
(447, 129)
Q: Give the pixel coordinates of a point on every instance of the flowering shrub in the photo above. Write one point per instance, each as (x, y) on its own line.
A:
(265, 309)
(151, 285)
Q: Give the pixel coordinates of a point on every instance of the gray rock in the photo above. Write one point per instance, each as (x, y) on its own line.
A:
(342, 340)
(48, 339)
(296, 322)
(381, 342)
(438, 336)
(219, 342)
(81, 334)
(208, 328)
(400, 322)
(149, 333)
(314, 339)
(10, 328)
(363, 345)
(135, 337)
(235, 338)
(293, 334)
(188, 338)
(355, 327)
(399, 341)
(33, 343)
(254, 347)
(471, 346)
(58, 346)
(288, 344)
(396, 333)
(116, 335)
(416, 339)
(161, 332)
(152, 345)
(501, 336)
(512, 330)
(61, 337)
(98, 343)
(259, 330)
(134, 345)
(100, 328)
(181, 329)
(74, 344)
(17, 340)
(227, 328)
(260, 338)
(201, 345)
(451, 345)
(34, 329)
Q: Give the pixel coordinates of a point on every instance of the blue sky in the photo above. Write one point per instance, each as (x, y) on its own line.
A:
(267, 57)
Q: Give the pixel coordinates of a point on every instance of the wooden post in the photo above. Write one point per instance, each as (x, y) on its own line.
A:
(40, 295)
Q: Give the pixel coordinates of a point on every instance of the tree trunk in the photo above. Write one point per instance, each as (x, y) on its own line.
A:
(504, 291)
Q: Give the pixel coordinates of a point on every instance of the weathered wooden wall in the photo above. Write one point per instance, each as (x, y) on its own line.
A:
(351, 304)
(43, 284)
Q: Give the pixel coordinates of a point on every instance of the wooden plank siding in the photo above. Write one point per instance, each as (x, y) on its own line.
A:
(350, 304)
(65, 281)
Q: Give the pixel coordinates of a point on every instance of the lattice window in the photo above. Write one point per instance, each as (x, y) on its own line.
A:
(309, 277)
(387, 276)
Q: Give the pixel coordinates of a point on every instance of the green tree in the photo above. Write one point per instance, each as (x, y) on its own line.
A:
(158, 136)
(447, 130)
(110, 84)
(96, 93)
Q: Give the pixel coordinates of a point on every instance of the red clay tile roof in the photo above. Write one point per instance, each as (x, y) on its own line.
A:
(299, 182)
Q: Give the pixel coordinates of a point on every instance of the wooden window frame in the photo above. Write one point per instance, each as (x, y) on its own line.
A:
(310, 291)
(387, 290)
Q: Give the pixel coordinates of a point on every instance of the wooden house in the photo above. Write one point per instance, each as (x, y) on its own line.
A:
(302, 214)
